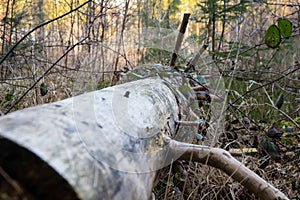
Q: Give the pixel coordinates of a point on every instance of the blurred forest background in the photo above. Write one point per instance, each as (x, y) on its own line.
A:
(53, 49)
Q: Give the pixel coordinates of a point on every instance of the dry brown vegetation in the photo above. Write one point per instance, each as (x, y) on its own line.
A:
(90, 47)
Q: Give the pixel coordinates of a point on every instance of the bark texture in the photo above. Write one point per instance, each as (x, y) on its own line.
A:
(109, 144)
(106, 144)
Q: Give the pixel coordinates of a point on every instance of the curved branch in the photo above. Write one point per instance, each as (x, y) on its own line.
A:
(222, 160)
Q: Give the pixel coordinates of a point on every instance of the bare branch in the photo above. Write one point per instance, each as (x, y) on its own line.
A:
(222, 160)
(196, 58)
(42, 76)
(39, 26)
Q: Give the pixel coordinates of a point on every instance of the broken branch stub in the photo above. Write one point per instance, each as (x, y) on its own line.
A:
(179, 40)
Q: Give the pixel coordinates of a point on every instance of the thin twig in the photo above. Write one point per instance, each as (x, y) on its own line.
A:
(39, 26)
(286, 115)
(43, 75)
(269, 83)
(196, 58)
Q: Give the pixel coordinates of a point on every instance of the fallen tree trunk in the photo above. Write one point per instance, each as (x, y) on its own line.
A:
(106, 144)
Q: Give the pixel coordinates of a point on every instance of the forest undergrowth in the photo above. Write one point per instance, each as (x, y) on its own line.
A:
(97, 43)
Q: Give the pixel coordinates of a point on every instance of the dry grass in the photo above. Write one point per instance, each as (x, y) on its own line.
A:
(82, 71)
(198, 181)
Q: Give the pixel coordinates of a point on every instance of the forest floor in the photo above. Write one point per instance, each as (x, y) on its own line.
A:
(277, 160)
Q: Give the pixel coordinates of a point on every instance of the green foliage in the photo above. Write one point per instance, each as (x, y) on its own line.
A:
(178, 177)
(285, 26)
(173, 7)
(290, 140)
(102, 84)
(134, 76)
(285, 123)
(185, 89)
(8, 97)
(274, 33)
(223, 10)
(272, 37)
(43, 89)
(17, 19)
(297, 119)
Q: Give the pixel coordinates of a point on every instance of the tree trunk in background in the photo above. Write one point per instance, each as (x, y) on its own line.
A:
(3, 38)
(299, 19)
(40, 18)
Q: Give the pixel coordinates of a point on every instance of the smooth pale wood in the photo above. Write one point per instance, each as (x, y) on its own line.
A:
(109, 144)
(222, 160)
(106, 144)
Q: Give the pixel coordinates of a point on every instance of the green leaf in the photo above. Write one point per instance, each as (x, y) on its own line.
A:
(178, 177)
(184, 89)
(285, 26)
(297, 119)
(270, 148)
(8, 97)
(272, 37)
(273, 150)
(43, 89)
(279, 101)
(134, 75)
